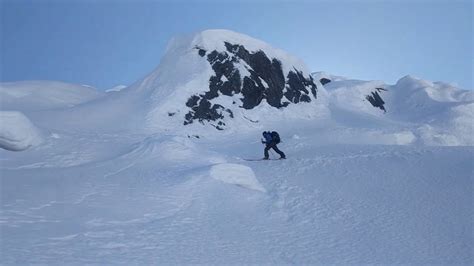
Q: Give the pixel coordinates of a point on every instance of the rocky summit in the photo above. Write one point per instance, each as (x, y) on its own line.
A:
(253, 76)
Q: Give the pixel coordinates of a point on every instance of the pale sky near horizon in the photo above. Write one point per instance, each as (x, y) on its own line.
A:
(108, 43)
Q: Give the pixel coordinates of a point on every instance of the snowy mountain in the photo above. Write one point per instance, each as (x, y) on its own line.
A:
(167, 171)
(215, 78)
(225, 79)
(233, 83)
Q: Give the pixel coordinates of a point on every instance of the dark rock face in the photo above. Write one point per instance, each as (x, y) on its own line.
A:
(264, 81)
(203, 110)
(376, 100)
(324, 81)
(296, 91)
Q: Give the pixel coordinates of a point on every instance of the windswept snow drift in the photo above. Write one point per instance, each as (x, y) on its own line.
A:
(236, 174)
(17, 133)
(171, 150)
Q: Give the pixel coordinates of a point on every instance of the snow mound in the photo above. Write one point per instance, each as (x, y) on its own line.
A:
(443, 113)
(416, 100)
(43, 95)
(236, 174)
(17, 133)
(437, 91)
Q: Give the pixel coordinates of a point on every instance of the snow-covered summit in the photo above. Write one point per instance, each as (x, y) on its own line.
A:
(216, 39)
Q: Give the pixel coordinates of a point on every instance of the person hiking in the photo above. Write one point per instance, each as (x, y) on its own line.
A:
(271, 139)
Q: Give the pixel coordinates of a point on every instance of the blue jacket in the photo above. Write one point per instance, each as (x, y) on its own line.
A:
(268, 137)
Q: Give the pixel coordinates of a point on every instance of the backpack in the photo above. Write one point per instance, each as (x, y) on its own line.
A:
(275, 137)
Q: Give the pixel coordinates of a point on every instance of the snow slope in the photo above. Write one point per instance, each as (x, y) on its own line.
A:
(119, 180)
(167, 200)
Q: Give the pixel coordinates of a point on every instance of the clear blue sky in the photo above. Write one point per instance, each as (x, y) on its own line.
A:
(107, 43)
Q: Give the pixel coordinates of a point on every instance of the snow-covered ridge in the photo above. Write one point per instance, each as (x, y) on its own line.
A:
(436, 112)
(30, 96)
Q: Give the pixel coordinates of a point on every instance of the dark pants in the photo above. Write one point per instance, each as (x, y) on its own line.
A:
(273, 146)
